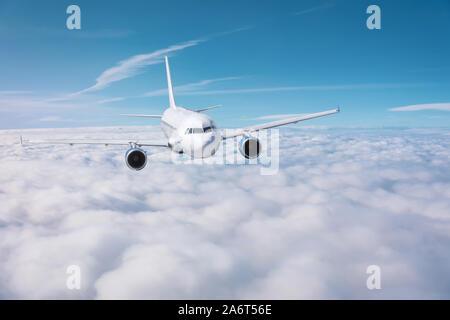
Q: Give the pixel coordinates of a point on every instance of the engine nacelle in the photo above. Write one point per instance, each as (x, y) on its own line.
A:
(250, 147)
(136, 158)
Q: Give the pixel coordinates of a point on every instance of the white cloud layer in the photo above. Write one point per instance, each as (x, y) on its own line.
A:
(342, 200)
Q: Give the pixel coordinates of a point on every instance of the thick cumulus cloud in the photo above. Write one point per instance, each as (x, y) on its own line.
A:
(342, 200)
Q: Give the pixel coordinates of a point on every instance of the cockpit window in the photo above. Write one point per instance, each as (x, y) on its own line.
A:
(194, 130)
(200, 130)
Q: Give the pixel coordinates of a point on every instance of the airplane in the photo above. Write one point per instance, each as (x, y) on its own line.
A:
(191, 132)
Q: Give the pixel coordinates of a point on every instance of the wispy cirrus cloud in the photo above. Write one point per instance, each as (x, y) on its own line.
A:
(190, 87)
(13, 92)
(419, 107)
(110, 100)
(50, 119)
(307, 88)
(133, 65)
(15, 102)
(11, 99)
(19, 31)
(313, 9)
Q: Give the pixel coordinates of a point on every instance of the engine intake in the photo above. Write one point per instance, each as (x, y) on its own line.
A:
(136, 159)
(250, 147)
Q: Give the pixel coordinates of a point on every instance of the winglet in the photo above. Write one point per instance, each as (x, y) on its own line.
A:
(169, 84)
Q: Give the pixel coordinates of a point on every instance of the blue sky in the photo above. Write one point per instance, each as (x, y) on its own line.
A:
(256, 58)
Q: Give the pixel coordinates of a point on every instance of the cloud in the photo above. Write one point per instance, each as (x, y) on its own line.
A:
(99, 34)
(199, 88)
(55, 119)
(41, 32)
(27, 110)
(341, 201)
(21, 99)
(130, 67)
(307, 88)
(188, 87)
(133, 65)
(313, 9)
(17, 101)
(110, 100)
(14, 92)
(23, 103)
(50, 118)
(419, 107)
(225, 33)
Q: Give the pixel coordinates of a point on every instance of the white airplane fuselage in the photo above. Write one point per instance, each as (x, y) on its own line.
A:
(190, 132)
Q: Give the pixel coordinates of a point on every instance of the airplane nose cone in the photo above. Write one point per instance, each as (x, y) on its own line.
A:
(202, 145)
(210, 145)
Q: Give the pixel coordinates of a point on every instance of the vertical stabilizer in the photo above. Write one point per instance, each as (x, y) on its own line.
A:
(169, 84)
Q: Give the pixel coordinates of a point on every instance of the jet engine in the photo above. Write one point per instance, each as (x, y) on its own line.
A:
(250, 147)
(136, 158)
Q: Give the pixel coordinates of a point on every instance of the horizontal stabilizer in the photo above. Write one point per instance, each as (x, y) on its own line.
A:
(209, 108)
(142, 115)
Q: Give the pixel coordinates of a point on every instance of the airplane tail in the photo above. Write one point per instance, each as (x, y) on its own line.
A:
(169, 84)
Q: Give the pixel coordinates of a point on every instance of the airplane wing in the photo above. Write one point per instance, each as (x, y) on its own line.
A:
(230, 133)
(130, 143)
